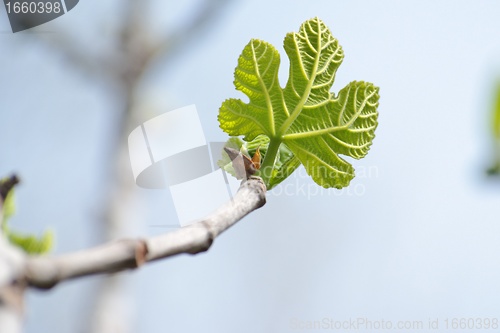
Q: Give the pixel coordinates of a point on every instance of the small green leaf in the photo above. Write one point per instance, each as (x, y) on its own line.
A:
(496, 115)
(225, 162)
(29, 243)
(32, 244)
(304, 120)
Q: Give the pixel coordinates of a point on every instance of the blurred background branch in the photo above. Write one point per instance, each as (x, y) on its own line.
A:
(122, 68)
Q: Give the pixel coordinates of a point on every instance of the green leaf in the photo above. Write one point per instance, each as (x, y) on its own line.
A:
(29, 243)
(225, 162)
(495, 169)
(32, 244)
(285, 165)
(346, 126)
(496, 115)
(304, 119)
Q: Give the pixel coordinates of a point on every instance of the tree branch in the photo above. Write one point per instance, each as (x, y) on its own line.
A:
(46, 272)
(207, 13)
(12, 261)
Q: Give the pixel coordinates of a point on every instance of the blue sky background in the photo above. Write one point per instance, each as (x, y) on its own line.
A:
(419, 239)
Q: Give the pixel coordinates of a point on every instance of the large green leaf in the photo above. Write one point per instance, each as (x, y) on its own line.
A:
(345, 125)
(257, 77)
(304, 117)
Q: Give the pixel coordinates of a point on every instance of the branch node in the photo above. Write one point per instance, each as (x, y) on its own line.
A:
(141, 252)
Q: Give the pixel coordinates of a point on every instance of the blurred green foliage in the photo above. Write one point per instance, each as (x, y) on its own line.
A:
(31, 244)
(496, 115)
(495, 121)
